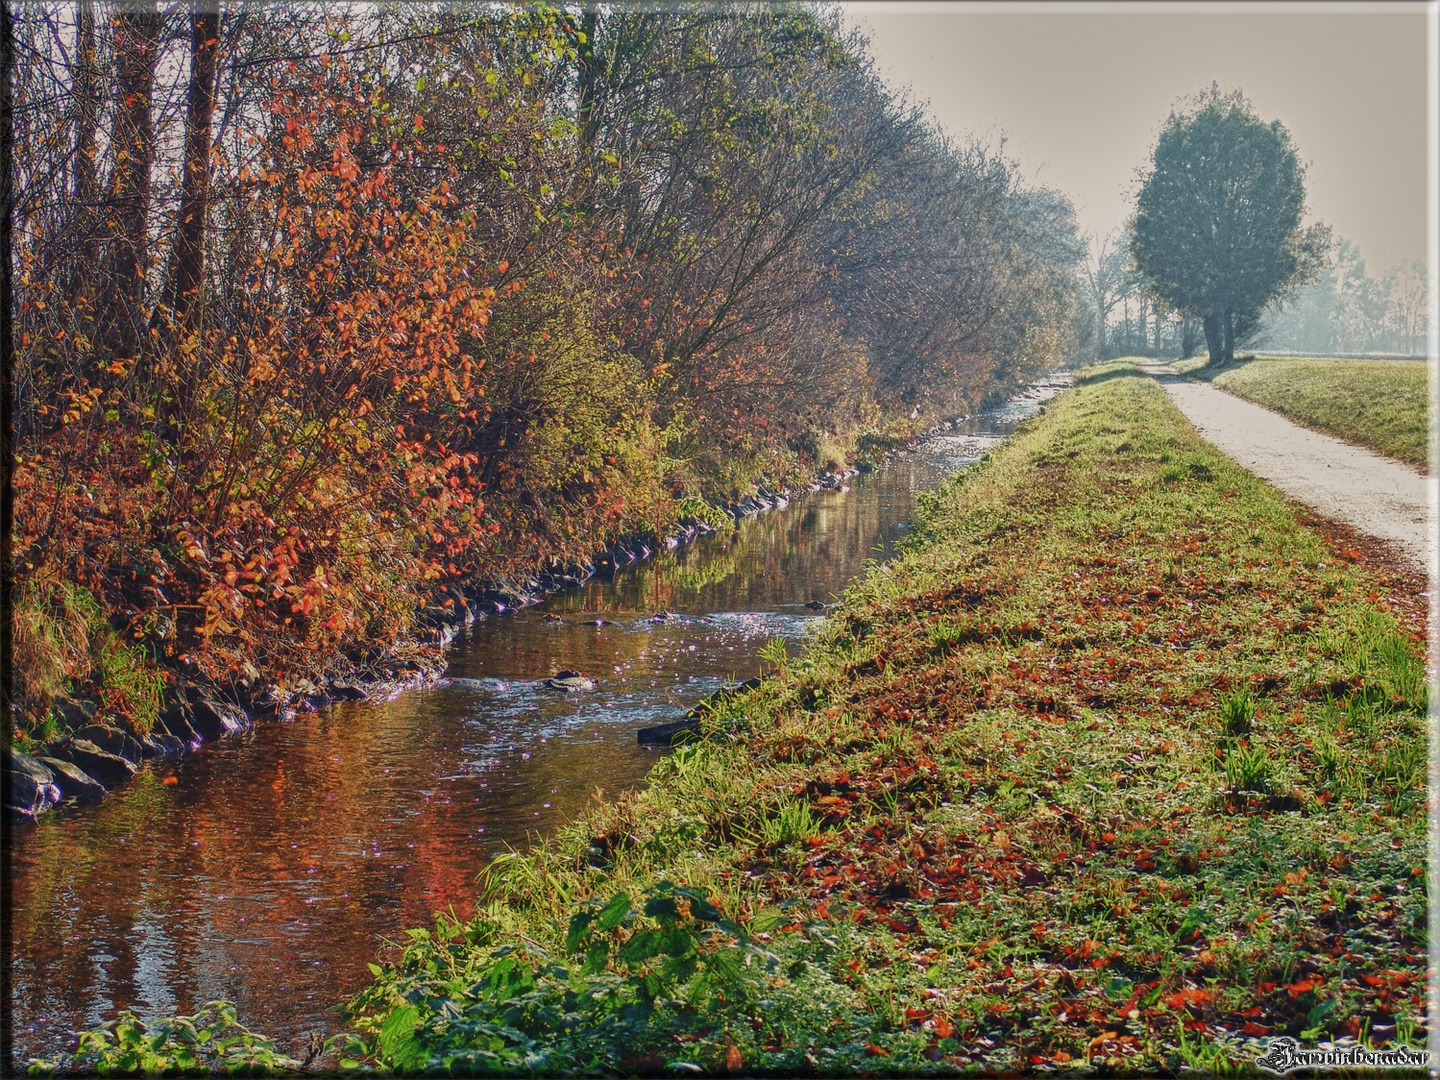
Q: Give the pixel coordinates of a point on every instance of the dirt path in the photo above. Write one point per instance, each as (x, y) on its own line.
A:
(1377, 495)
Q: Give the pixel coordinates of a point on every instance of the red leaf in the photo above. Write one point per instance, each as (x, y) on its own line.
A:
(1189, 998)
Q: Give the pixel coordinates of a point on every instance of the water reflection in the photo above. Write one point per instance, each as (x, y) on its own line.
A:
(272, 871)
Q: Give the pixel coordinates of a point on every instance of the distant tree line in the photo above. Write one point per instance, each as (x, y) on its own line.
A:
(1348, 311)
(320, 308)
(1344, 311)
(1128, 318)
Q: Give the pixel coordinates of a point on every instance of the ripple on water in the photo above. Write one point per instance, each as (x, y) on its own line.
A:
(500, 731)
(767, 624)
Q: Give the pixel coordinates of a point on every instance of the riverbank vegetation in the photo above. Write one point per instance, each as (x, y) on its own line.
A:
(324, 313)
(1121, 762)
(1380, 404)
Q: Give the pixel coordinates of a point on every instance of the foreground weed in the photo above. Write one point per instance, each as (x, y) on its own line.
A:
(212, 1041)
(1237, 714)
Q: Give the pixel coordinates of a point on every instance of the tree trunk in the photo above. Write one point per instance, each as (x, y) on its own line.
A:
(1229, 335)
(1213, 340)
(591, 70)
(188, 270)
(137, 32)
(87, 120)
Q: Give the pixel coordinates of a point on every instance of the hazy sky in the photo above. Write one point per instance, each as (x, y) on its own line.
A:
(1082, 90)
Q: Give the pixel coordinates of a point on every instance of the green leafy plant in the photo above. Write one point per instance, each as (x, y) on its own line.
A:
(628, 974)
(1250, 770)
(947, 633)
(791, 822)
(209, 1042)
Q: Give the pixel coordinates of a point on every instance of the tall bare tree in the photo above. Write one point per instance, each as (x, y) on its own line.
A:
(127, 205)
(87, 122)
(187, 272)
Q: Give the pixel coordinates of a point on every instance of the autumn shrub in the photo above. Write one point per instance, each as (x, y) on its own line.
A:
(287, 484)
(568, 446)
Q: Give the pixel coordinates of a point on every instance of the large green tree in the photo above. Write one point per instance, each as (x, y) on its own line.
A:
(1217, 228)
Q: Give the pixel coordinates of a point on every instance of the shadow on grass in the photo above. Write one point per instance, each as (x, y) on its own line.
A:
(1119, 369)
(1209, 372)
(1126, 366)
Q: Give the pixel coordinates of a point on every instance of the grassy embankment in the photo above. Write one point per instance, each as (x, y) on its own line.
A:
(1119, 762)
(1380, 404)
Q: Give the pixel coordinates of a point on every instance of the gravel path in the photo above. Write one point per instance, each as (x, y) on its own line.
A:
(1377, 495)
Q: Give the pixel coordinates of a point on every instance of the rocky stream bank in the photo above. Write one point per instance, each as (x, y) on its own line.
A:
(92, 756)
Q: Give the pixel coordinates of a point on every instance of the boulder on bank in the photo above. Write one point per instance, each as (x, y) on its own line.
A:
(30, 787)
(687, 729)
(74, 712)
(159, 745)
(706, 704)
(73, 781)
(215, 718)
(175, 722)
(571, 682)
(113, 741)
(347, 690)
(110, 769)
(675, 733)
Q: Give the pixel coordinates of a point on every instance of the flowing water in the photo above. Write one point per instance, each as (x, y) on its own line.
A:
(278, 863)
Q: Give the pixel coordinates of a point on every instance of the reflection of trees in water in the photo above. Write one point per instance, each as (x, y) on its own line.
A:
(120, 904)
(805, 551)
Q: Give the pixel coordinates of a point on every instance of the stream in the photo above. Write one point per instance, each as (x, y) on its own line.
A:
(279, 862)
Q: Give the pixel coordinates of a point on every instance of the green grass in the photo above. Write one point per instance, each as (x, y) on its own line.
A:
(1117, 764)
(1380, 404)
(62, 644)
